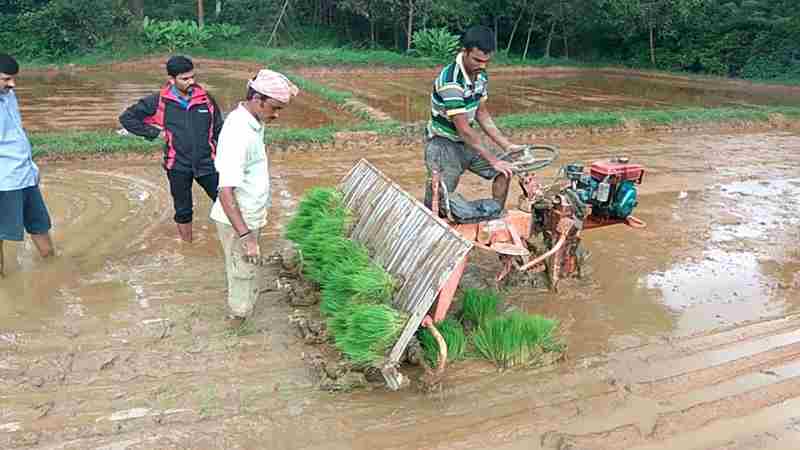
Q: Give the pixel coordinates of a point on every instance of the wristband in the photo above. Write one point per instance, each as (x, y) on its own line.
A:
(243, 235)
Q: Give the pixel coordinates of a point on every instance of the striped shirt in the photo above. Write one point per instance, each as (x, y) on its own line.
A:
(455, 93)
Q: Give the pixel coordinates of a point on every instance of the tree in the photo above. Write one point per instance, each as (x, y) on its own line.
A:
(136, 7)
(372, 10)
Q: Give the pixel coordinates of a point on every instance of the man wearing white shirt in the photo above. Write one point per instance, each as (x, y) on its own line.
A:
(240, 211)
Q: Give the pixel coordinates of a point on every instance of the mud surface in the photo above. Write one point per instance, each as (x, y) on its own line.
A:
(93, 98)
(406, 95)
(687, 335)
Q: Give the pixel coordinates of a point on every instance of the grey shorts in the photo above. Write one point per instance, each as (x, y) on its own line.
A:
(23, 210)
(451, 160)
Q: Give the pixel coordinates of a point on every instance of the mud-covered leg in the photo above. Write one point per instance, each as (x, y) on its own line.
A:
(44, 244)
(500, 189)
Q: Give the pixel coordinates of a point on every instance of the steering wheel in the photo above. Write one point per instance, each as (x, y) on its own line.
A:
(530, 158)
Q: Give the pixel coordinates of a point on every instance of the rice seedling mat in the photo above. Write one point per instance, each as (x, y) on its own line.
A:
(408, 241)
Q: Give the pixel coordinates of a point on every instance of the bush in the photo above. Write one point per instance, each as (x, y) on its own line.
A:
(224, 31)
(60, 28)
(174, 34)
(436, 43)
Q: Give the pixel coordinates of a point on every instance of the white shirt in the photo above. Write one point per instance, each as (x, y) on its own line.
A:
(242, 164)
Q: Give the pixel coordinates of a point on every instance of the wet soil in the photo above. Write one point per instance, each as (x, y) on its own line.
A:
(687, 335)
(405, 95)
(92, 98)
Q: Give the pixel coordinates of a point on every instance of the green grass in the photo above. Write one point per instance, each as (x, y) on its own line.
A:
(453, 333)
(89, 142)
(479, 306)
(76, 143)
(515, 339)
(284, 58)
(606, 119)
(321, 90)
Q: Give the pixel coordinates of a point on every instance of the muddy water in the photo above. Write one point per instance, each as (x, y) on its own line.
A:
(406, 95)
(92, 99)
(119, 341)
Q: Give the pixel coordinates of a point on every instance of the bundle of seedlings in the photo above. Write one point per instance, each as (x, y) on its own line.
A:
(453, 334)
(515, 339)
(337, 284)
(324, 242)
(351, 286)
(314, 204)
(478, 307)
(370, 332)
(356, 293)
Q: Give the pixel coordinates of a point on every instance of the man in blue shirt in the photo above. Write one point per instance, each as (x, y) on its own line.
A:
(21, 202)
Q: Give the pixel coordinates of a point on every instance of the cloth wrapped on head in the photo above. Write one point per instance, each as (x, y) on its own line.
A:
(273, 85)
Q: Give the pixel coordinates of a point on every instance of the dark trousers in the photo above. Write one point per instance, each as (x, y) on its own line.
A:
(180, 186)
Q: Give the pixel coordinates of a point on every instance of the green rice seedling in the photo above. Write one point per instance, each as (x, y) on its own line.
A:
(323, 239)
(479, 306)
(339, 322)
(371, 331)
(314, 204)
(514, 339)
(372, 285)
(453, 333)
(337, 285)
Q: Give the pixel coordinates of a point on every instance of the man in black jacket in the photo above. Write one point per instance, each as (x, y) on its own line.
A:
(189, 121)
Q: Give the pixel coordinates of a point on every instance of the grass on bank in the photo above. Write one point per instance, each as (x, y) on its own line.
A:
(75, 143)
(288, 58)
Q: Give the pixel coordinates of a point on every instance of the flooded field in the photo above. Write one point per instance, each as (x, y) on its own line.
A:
(687, 336)
(406, 95)
(92, 99)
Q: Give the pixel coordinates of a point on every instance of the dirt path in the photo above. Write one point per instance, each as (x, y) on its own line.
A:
(686, 337)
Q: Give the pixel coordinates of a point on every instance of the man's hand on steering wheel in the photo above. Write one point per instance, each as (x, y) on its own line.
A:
(503, 167)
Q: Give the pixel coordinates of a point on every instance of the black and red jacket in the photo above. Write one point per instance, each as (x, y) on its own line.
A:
(190, 133)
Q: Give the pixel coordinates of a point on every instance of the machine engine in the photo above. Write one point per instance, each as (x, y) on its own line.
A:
(609, 188)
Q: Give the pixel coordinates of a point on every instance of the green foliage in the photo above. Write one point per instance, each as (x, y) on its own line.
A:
(224, 31)
(253, 15)
(60, 27)
(752, 39)
(479, 306)
(93, 142)
(453, 333)
(515, 339)
(437, 43)
(174, 34)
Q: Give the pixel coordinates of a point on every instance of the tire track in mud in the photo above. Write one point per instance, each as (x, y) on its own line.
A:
(645, 412)
(167, 375)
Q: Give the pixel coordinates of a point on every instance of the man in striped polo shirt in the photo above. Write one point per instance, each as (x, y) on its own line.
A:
(458, 100)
